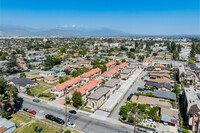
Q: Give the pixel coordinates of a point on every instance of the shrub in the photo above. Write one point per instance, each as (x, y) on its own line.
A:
(131, 119)
(124, 116)
(6, 115)
(185, 131)
(68, 131)
(44, 95)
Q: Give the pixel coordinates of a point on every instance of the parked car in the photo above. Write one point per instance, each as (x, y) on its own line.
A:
(140, 89)
(141, 130)
(25, 109)
(59, 121)
(70, 124)
(165, 123)
(150, 121)
(129, 97)
(36, 100)
(50, 117)
(32, 111)
(72, 111)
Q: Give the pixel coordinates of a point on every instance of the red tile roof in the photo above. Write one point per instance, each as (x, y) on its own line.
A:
(90, 73)
(89, 86)
(110, 72)
(122, 65)
(110, 63)
(70, 82)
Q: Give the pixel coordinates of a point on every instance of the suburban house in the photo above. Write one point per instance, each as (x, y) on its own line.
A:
(152, 101)
(22, 83)
(60, 74)
(51, 79)
(89, 88)
(147, 62)
(113, 85)
(122, 66)
(159, 86)
(165, 95)
(67, 87)
(92, 74)
(58, 69)
(125, 74)
(114, 72)
(110, 64)
(6, 126)
(160, 80)
(191, 106)
(96, 99)
(159, 75)
(47, 73)
(169, 115)
(35, 77)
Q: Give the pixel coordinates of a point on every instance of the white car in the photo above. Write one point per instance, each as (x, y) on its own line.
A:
(70, 124)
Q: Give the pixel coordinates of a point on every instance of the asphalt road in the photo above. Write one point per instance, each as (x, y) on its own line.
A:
(138, 83)
(83, 123)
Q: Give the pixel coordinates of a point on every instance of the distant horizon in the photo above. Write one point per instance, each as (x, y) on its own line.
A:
(166, 17)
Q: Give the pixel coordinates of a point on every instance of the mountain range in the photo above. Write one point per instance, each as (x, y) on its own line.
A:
(22, 31)
(6, 30)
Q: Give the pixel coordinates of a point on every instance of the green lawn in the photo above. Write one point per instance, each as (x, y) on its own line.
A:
(45, 128)
(38, 89)
(35, 73)
(19, 119)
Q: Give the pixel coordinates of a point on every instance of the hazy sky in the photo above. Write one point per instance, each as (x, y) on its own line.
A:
(132, 16)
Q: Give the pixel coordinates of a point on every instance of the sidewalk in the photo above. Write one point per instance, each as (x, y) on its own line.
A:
(125, 85)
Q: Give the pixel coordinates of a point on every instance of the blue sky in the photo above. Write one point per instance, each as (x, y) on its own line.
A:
(132, 16)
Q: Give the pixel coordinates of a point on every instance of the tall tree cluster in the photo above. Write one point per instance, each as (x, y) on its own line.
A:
(8, 96)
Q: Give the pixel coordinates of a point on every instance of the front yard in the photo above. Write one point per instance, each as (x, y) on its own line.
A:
(38, 89)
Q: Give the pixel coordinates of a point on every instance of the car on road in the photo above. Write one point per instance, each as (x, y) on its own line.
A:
(59, 121)
(36, 100)
(129, 97)
(70, 124)
(25, 109)
(72, 111)
(32, 111)
(50, 117)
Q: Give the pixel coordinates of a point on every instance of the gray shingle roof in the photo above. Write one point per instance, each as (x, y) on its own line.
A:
(159, 85)
(99, 93)
(163, 94)
(111, 83)
(21, 81)
(126, 71)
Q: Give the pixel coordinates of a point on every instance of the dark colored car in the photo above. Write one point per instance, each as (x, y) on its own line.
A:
(129, 97)
(25, 109)
(36, 100)
(59, 121)
(140, 89)
(72, 111)
(50, 117)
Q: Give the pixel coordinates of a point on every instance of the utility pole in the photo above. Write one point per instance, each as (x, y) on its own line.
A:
(135, 122)
(66, 120)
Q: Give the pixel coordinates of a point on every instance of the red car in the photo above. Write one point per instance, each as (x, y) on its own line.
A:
(32, 111)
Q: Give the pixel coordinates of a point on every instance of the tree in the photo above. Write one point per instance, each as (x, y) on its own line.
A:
(22, 75)
(87, 57)
(123, 60)
(61, 80)
(192, 53)
(175, 55)
(77, 99)
(124, 109)
(12, 66)
(142, 107)
(68, 100)
(176, 88)
(191, 62)
(67, 72)
(63, 50)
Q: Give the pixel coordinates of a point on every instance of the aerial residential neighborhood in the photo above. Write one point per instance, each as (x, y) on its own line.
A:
(105, 66)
